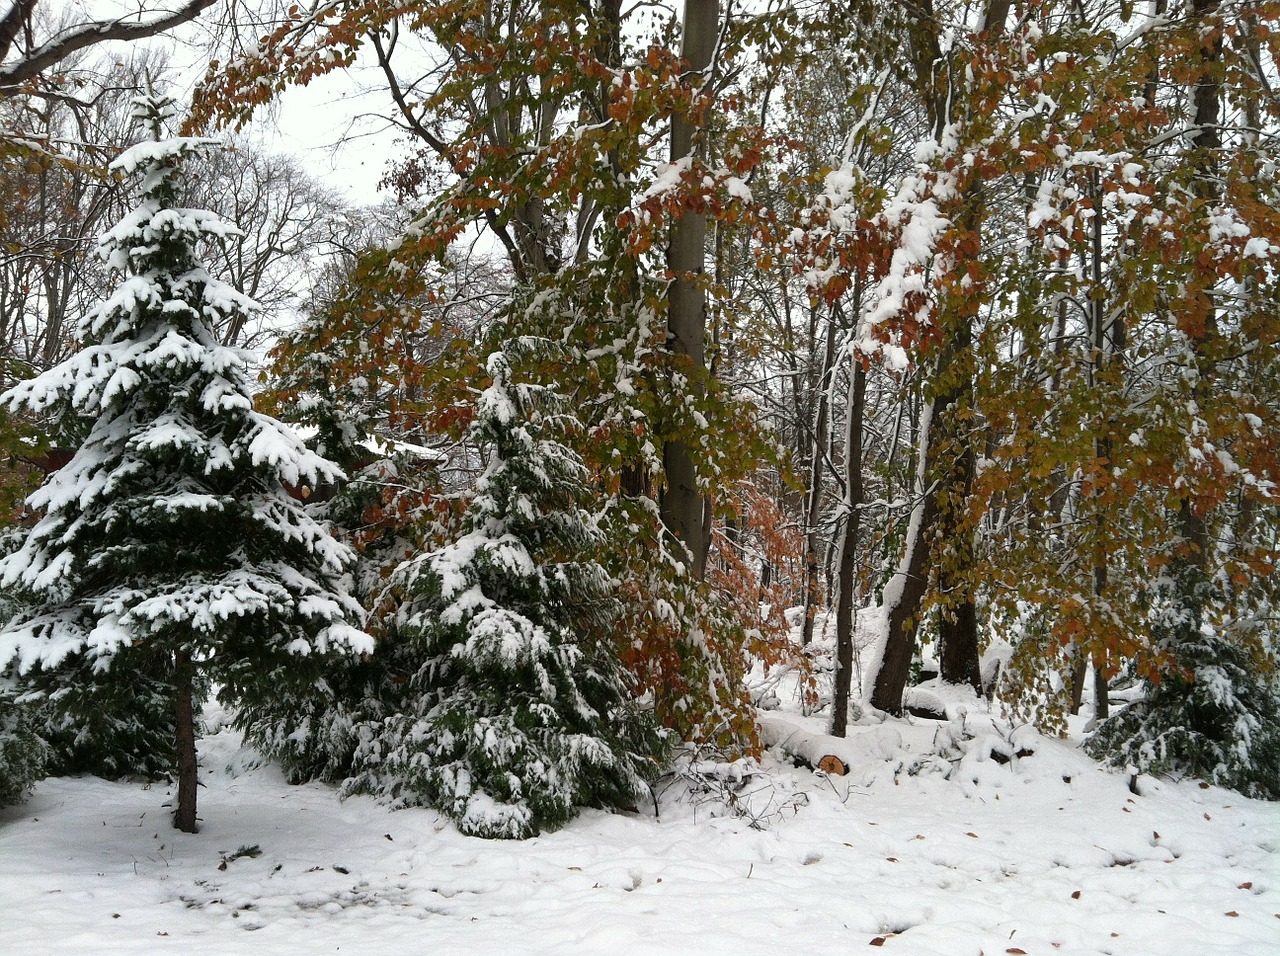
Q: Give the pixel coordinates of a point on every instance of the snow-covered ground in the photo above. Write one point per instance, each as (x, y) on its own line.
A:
(1043, 854)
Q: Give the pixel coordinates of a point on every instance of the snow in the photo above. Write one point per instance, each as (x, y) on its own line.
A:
(1043, 854)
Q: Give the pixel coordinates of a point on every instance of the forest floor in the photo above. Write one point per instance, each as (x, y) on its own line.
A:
(929, 845)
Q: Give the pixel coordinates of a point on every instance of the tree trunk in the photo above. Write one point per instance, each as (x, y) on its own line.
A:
(848, 550)
(683, 509)
(956, 548)
(949, 456)
(813, 509)
(1189, 569)
(904, 595)
(184, 818)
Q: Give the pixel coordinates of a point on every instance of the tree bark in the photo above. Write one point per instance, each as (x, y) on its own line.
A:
(184, 818)
(904, 595)
(813, 507)
(89, 34)
(954, 541)
(682, 506)
(944, 531)
(846, 575)
(1189, 568)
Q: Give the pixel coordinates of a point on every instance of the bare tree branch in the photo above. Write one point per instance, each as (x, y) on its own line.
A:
(56, 49)
(12, 23)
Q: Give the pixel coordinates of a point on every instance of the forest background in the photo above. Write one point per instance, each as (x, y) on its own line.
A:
(951, 325)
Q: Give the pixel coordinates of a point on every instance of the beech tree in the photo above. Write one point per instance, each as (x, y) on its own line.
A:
(547, 126)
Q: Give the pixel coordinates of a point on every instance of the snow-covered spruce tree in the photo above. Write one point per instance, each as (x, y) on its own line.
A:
(517, 712)
(1214, 712)
(169, 543)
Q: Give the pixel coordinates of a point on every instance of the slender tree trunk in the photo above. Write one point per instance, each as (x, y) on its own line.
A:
(184, 817)
(944, 527)
(813, 509)
(846, 578)
(683, 508)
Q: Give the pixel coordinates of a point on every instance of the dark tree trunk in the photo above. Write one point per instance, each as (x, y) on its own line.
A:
(904, 610)
(945, 534)
(846, 575)
(1079, 673)
(956, 550)
(1189, 569)
(184, 818)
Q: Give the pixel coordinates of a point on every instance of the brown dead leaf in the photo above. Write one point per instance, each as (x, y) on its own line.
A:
(1245, 886)
(974, 835)
(1014, 949)
(1075, 895)
(878, 941)
(1232, 913)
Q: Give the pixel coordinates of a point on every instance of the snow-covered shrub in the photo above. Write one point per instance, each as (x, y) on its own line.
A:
(517, 711)
(721, 787)
(96, 722)
(1214, 715)
(22, 751)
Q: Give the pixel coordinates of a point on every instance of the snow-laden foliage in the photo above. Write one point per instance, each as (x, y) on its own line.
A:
(22, 750)
(113, 723)
(516, 711)
(390, 509)
(170, 535)
(1214, 715)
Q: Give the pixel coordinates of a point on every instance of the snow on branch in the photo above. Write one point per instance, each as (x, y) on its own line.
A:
(54, 50)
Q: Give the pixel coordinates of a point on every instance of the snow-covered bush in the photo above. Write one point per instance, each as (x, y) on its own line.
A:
(96, 722)
(22, 751)
(1214, 715)
(517, 711)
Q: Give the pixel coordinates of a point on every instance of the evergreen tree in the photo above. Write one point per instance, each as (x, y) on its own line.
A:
(1213, 714)
(169, 555)
(517, 711)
